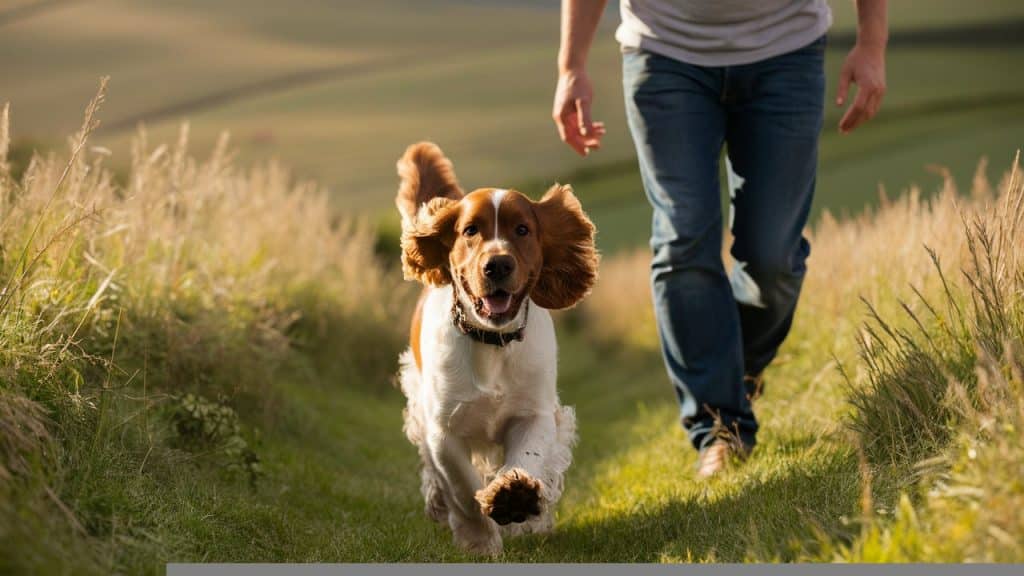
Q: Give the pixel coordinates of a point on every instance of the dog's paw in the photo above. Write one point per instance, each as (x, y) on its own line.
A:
(513, 496)
(476, 536)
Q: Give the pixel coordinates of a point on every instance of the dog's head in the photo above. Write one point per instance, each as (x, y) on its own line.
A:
(496, 246)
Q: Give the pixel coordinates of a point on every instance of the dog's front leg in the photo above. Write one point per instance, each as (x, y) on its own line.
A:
(473, 531)
(517, 492)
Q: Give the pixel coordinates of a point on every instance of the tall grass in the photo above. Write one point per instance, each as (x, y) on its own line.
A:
(921, 304)
(944, 403)
(122, 295)
(904, 412)
(149, 321)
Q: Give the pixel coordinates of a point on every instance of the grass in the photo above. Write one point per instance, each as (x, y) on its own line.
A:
(360, 121)
(120, 302)
(926, 122)
(195, 365)
(332, 93)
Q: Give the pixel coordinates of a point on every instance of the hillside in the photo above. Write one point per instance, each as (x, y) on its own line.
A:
(197, 367)
(336, 89)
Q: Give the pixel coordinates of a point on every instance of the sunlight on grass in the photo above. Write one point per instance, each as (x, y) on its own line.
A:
(196, 363)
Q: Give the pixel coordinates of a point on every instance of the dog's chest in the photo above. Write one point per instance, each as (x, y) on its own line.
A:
(493, 377)
(492, 368)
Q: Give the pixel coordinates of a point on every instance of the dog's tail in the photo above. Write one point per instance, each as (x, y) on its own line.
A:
(425, 173)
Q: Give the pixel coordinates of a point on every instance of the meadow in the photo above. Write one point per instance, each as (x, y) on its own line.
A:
(198, 341)
(334, 89)
(189, 376)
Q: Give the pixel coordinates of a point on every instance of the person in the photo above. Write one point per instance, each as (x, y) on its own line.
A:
(699, 76)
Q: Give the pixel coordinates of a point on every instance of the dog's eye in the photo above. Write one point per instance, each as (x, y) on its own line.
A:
(522, 230)
(470, 230)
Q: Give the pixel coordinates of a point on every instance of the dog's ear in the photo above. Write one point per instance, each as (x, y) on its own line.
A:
(425, 173)
(567, 245)
(426, 241)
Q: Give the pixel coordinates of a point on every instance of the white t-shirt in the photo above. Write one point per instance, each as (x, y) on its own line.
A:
(721, 32)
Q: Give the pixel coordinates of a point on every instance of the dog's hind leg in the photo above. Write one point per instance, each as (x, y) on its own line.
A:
(431, 484)
(433, 494)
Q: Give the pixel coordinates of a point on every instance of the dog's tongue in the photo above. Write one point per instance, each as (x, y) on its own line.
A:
(497, 304)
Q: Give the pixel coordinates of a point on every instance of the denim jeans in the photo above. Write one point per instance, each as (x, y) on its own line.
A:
(768, 115)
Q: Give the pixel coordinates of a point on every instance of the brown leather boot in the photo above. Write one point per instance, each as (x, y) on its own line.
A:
(718, 456)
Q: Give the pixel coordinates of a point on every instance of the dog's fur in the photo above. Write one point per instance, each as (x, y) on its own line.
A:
(493, 438)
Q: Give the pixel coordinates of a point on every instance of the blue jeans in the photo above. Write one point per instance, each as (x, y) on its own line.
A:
(768, 115)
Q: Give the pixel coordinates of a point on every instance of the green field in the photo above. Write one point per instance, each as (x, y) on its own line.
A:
(199, 368)
(336, 90)
(927, 122)
(197, 354)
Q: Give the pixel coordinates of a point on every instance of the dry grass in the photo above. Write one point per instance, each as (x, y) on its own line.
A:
(121, 293)
(181, 243)
(619, 308)
(874, 256)
(921, 302)
(180, 276)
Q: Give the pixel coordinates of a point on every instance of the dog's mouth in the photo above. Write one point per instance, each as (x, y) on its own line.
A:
(495, 304)
(498, 305)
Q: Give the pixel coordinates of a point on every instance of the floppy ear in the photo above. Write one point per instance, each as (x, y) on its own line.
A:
(567, 244)
(425, 173)
(426, 241)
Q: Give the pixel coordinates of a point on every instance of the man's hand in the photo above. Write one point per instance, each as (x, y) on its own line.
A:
(571, 112)
(865, 65)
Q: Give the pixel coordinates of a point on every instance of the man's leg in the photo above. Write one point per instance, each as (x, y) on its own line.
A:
(774, 119)
(678, 125)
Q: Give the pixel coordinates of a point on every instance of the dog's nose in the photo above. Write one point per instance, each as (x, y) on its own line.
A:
(499, 267)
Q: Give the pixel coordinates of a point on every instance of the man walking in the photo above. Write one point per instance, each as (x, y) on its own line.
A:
(700, 75)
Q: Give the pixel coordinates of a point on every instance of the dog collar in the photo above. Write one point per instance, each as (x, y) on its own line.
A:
(499, 339)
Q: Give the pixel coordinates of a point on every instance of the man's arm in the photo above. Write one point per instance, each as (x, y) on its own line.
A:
(865, 65)
(574, 93)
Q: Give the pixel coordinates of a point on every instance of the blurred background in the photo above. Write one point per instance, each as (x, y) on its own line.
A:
(336, 89)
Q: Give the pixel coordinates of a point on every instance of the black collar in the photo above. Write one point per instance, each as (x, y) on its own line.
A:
(499, 339)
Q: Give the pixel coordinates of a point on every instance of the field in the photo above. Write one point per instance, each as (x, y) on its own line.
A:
(188, 377)
(197, 347)
(337, 89)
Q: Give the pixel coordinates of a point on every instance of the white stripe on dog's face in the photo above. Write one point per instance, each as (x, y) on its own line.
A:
(497, 195)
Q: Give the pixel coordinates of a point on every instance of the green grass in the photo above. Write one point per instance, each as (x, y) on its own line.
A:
(341, 485)
(363, 122)
(259, 296)
(122, 487)
(476, 78)
(918, 14)
(283, 320)
(927, 121)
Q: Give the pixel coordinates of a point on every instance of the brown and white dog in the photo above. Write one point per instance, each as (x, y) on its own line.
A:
(480, 371)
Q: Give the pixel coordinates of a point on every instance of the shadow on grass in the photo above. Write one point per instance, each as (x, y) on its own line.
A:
(781, 513)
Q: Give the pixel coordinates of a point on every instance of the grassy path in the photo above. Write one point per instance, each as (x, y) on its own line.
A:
(341, 480)
(133, 400)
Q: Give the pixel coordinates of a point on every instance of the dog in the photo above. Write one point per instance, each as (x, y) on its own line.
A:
(480, 372)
